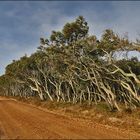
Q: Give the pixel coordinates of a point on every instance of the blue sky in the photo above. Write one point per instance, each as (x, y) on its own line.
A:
(23, 23)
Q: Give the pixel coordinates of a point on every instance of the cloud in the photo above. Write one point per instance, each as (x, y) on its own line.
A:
(14, 52)
(120, 16)
(23, 23)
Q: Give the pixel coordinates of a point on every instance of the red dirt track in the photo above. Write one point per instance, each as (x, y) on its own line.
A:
(23, 121)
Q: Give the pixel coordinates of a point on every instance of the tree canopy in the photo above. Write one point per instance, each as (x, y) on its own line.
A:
(73, 66)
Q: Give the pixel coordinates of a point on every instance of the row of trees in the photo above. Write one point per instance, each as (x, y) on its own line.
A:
(73, 66)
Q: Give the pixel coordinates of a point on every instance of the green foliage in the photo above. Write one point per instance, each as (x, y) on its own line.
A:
(112, 42)
(75, 30)
(72, 66)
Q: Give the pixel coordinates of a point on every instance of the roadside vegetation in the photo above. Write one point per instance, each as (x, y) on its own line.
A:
(73, 67)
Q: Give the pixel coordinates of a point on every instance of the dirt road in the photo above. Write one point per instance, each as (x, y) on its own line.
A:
(23, 121)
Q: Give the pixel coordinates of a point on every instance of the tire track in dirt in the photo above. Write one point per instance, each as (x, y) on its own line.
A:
(2, 132)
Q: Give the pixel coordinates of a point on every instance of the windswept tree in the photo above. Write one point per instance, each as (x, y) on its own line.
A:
(73, 66)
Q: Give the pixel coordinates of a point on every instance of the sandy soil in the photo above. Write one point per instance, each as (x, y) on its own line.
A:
(23, 121)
